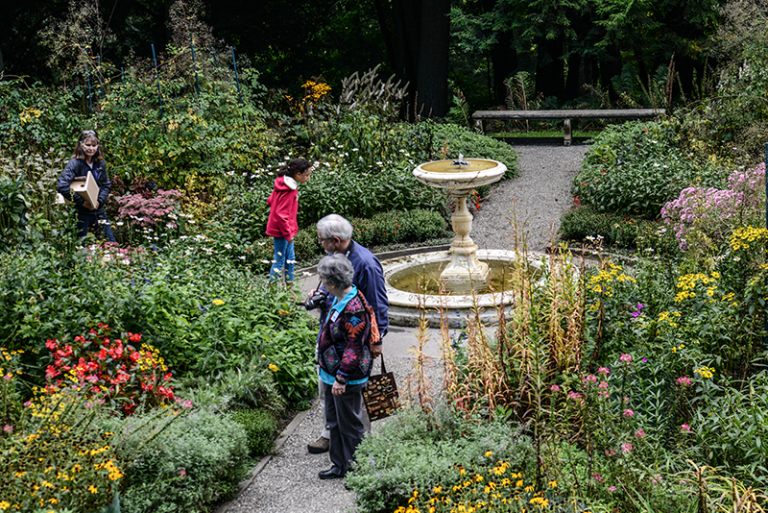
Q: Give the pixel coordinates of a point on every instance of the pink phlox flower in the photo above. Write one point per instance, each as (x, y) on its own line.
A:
(183, 473)
(626, 448)
(603, 384)
(626, 358)
(628, 413)
(591, 378)
(640, 433)
(684, 381)
(603, 394)
(555, 388)
(603, 370)
(657, 479)
(685, 428)
(8, 428)
(609, 452)
(574, 395)
(597, 477)
(612, 488)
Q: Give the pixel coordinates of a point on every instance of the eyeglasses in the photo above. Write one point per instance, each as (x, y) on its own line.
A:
(321, 240)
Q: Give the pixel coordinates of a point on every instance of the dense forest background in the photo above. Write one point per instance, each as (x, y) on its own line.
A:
(561, 52)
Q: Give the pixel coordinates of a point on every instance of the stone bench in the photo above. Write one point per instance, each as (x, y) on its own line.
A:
(566, 115)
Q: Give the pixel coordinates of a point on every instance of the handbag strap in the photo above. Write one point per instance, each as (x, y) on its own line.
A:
(383, 367)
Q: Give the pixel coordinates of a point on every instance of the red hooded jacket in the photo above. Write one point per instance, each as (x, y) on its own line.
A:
(283, 206)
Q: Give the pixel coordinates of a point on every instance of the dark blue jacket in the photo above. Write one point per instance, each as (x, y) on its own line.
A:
(369, 278)
(76, 168)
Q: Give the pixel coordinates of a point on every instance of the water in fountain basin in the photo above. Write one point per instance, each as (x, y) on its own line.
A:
(424, 278)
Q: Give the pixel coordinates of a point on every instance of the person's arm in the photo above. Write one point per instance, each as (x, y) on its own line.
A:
(372, 285)
(105, 186)
(65, 182)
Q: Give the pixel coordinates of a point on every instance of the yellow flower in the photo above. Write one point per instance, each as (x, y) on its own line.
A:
(553, 484)
(273, 367)
(218, 302)
(488, 454)
(4, 505)
(93, 489)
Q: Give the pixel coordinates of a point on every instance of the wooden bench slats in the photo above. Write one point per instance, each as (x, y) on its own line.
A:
(565, 115)
(569, 114)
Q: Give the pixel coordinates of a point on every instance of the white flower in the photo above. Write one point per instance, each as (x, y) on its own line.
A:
(355, 149)
(265, 261)
(241, 257)
(119, 223)
(191, 221)
(227, 245)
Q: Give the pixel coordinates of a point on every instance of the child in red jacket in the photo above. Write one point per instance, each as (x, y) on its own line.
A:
(283, 206)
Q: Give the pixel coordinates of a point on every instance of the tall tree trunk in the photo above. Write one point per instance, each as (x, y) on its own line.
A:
(610, 66)
(406, 17)
(505, 63)
(573, 79)
(550, 71)
(432, 69)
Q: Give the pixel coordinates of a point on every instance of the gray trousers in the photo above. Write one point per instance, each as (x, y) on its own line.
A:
(321, 397)
(345, 422)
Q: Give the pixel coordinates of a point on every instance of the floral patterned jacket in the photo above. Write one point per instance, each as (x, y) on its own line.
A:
(344, 346)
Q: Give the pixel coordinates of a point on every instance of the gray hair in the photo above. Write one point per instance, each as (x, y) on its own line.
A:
(336, 270)
(333, 225)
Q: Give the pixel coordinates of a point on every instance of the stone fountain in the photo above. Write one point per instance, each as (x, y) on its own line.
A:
(456, 281)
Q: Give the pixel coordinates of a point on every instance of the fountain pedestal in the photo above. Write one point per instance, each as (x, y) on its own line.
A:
(465, 273)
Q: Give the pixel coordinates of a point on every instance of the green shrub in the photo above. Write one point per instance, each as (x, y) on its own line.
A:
(198, 460)
(260, 426)
(458, 139)
(635, 168)
(414, 450)
(586, 221)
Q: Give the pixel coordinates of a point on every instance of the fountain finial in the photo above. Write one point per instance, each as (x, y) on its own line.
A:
(461, 161)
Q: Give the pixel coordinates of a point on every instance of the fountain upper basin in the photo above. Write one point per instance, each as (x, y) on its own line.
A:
(444, 174)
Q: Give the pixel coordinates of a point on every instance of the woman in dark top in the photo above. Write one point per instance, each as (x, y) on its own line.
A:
(344, 353)
(88, 156)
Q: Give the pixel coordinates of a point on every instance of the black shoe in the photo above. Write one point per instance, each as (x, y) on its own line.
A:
(332, 473)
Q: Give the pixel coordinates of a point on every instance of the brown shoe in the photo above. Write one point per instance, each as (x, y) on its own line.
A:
(319, 446)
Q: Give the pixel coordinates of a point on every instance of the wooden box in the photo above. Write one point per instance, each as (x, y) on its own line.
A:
(87, 188)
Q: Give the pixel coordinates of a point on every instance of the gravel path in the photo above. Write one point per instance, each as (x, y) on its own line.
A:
(289, 483)
(536, 198)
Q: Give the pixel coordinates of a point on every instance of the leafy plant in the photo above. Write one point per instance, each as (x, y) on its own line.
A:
(635, 168)
(193, 463)
(260, 426)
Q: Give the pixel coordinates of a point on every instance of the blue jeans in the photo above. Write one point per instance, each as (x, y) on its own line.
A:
(97, 219)
(285, 258)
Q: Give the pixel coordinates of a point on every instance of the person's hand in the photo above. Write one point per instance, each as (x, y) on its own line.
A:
(338, 388)
(376, 350)
(289, 240)
(311, 293)
(91, 207)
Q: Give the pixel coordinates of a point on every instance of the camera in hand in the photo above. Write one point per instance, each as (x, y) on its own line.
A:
(316, 301)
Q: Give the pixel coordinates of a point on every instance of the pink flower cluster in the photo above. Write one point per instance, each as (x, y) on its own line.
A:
(716, 211)
(626, 358)
(147, 212)
(684, 381)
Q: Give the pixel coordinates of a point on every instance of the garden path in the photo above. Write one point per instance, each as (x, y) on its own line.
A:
(288, 483)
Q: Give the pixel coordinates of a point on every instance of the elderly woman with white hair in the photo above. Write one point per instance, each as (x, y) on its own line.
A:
(344, 354)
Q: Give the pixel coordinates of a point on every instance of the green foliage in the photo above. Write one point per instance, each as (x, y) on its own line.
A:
(202, 312)
(415, 450)
(14, 211)
(585, 221)
(635, 168)
(260, 427)
(195, 462)
(450, 140)
(198, 138)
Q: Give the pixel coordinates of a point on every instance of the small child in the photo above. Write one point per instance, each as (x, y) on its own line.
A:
(283, 207)
(88, 156)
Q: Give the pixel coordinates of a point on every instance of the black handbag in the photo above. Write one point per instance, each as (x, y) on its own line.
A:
(380, 396)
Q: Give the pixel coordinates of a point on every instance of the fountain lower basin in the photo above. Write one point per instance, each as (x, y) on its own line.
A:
(406, 307)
